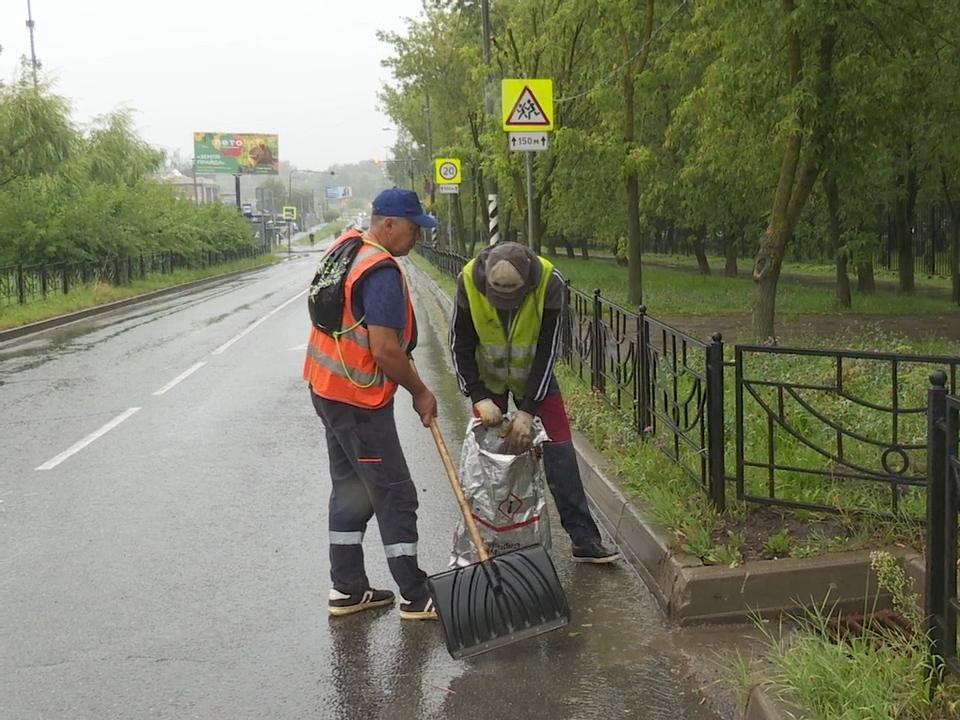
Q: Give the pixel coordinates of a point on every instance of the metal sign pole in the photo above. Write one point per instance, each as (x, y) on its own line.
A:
(529, 161)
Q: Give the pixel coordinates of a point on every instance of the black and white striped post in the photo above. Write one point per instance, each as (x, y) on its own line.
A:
(493, 213)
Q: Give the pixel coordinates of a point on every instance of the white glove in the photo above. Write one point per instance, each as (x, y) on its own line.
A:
(489, 413)
(519, 432)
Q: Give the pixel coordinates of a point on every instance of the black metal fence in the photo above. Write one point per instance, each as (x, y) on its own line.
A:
(21, 284)
(943, 516)
(833, 430)
(671, 383)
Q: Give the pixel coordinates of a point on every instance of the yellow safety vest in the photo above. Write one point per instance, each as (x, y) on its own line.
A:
(504, 356)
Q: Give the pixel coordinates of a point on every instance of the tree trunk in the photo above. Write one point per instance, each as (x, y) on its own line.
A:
(458, 229)
(766, 274)
(954, 209)
(955, 256)
(474, 210)
(568, 245)
(698, 249)
(634, 65)
(793, 186)
(634, 243)
(537, 223)
(832, 193)
(903, 220)
(865, 280)
(584, 249)
(730, 260)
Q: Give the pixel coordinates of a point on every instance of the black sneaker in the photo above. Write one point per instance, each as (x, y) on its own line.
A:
(594, 553)
(343, 604)
(419, 610)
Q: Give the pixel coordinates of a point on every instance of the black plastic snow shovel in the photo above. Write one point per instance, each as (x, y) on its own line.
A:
(499, 600)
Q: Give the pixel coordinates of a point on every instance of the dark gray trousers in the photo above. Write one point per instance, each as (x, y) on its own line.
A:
(369, 476)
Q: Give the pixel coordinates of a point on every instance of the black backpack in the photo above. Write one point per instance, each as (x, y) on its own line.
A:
(327, 290)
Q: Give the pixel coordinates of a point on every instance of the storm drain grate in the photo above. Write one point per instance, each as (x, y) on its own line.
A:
(883, 623)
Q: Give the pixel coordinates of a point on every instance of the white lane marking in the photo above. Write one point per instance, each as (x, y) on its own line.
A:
(181, 377)
(254, 324)
(298, 347)
(77, 447)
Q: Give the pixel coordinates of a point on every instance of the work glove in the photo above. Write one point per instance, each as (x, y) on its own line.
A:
(488, 412)
(519, 432)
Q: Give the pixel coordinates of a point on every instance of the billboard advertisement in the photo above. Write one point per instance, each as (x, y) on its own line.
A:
(340, 192)
(236, 153)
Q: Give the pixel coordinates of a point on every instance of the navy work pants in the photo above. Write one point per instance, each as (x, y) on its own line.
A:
(369, 476)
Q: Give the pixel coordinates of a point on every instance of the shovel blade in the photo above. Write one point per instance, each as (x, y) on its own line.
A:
(506, 599)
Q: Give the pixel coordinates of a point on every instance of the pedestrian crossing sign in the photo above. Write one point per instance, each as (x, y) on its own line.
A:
(526, 104)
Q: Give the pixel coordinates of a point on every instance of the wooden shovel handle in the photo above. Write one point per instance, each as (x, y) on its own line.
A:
(458, 491)
(457, 487)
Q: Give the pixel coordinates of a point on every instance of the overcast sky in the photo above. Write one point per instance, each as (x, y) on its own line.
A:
(308, 70)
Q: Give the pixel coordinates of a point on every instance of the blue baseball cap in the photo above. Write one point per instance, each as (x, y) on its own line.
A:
(398, 202)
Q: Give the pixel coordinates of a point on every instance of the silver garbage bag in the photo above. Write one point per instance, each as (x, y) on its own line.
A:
(506, 493)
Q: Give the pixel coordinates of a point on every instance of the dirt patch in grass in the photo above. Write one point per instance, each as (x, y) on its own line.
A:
(830, 330)
(762, 523)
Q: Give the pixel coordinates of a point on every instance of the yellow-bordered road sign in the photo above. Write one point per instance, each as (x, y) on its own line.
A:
(526, 104)
(447, 171)
(289, 212)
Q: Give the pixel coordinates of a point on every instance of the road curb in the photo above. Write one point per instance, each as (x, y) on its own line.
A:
(57, 321)
(692, 593)
(762, 705)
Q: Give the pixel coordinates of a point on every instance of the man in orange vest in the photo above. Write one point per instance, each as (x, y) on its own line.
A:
(353, 373)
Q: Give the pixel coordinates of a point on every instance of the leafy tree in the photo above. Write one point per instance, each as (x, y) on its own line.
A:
(36, 134)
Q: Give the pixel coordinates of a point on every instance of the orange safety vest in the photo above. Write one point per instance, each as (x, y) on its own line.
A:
(341, 366)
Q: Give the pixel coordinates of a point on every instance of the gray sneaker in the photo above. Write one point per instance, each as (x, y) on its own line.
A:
(595, 553)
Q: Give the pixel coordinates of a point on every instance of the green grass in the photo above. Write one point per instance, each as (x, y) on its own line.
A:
(671, 292)
(811, 269)
(878, 675)
(91, 295)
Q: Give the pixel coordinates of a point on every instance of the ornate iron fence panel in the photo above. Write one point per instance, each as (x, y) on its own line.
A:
(578, 334)
(942, 601)
(682, 391)
(669, 382)
(815, 426)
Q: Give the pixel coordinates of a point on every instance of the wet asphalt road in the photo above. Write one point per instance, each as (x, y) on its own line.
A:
(175, 565)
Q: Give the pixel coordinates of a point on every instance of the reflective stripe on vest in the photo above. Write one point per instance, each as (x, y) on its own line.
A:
(504, 357)
(341, 366)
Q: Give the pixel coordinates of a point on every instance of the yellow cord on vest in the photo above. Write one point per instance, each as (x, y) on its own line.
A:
(336, 335)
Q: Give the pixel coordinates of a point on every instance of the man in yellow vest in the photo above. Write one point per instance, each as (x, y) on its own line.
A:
(354, 369)
(505, 337)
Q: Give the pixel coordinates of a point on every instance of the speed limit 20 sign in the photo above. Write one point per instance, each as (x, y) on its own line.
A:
(447, 171)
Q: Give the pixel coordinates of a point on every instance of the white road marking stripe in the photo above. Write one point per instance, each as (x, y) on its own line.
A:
(254, 324)
(77, 447)
(298, 347)
(179, 378)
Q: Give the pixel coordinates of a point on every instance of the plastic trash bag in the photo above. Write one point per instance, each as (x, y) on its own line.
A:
(507, 494)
